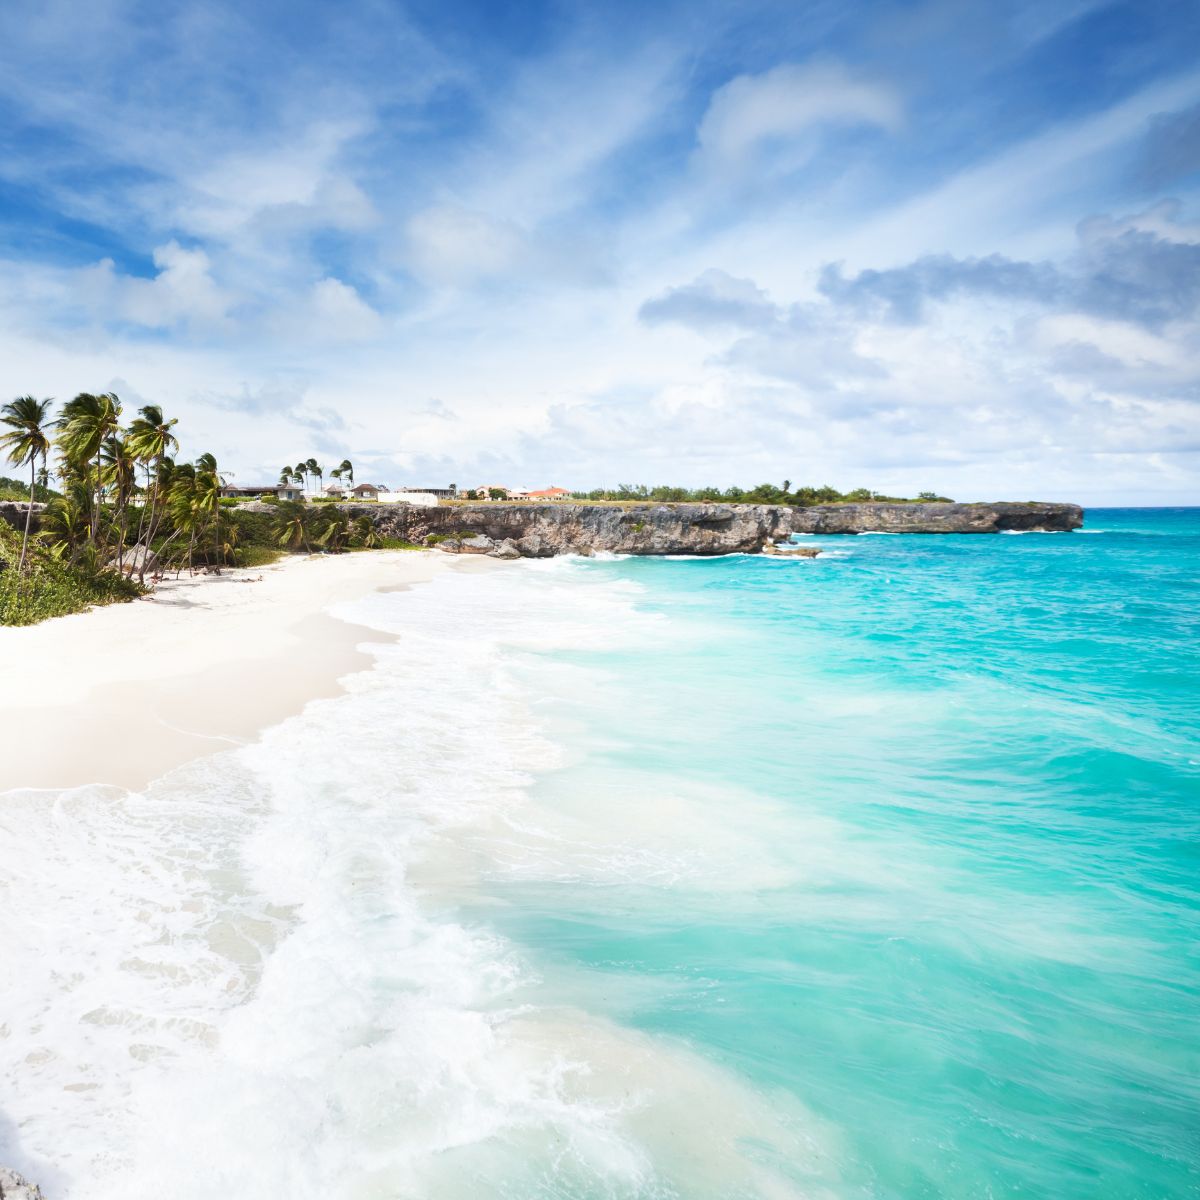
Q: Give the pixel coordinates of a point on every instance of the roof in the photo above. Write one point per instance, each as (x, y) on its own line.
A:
(554, 491)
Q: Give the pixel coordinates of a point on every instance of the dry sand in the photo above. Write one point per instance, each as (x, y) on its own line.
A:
(121, 694)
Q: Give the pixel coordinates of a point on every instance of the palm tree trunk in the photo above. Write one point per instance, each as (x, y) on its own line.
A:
(154, 520)
(142, 514)
(28, 510)
(98, 495)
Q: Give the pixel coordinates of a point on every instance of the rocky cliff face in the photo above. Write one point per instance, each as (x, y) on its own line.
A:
(13, 513)
(16, 1187)
(544, 530)
(936, 518)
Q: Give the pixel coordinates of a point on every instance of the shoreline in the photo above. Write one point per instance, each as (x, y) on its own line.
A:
(123, 693)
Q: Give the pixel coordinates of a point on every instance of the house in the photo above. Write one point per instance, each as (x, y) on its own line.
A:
(281, 491)
(552, 493)
(366, 491)
(409, 496)
(335, 489)
(442, 493)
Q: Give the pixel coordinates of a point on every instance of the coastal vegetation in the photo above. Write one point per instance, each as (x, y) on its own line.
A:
(46, 587)
(763, 493)
(125, 509)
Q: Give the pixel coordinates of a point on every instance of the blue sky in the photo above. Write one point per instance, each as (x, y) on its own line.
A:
(914, 245)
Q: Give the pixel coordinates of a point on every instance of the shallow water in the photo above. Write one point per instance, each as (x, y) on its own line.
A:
(870, 875)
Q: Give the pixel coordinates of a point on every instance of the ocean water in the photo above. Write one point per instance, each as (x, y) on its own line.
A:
(875, 875)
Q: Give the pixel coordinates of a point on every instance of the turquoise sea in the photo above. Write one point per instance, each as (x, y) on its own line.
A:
(869, 876)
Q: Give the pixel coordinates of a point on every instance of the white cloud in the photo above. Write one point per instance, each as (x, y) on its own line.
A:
(339, 313)
(789, 101)
(714, 301)
(455, 246)
(182, 295)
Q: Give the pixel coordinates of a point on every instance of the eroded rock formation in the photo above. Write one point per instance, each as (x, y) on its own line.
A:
(17, 1187)
(544, 530)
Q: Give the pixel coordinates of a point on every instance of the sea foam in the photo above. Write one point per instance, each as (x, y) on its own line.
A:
(249, 978)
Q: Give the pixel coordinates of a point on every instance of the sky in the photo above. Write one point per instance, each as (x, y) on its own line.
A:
(938, 245)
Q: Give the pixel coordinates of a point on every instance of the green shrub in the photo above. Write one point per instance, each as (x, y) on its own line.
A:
(50, 588)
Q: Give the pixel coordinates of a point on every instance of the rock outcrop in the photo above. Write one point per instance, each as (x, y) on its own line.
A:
(12, 512)
(544, 530)
(942, 517)
(17, 1187)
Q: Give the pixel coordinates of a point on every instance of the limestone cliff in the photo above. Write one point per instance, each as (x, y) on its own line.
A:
(544, 530)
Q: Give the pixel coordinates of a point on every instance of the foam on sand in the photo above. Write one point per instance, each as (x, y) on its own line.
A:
(248, 976)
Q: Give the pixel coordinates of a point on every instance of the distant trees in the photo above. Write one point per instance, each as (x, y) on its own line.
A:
(763, 493)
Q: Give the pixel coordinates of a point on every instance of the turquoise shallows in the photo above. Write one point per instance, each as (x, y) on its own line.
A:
(941, 804)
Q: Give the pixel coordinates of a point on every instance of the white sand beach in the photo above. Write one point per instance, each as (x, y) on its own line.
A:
(123, 693)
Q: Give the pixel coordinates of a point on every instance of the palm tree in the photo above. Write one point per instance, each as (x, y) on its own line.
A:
(364, 533)
(150, 440)
(209, 482)
(85, 424)
(291, 526)
(26, 440)
(346, 468)
(183, 504)
(315, 468)
(64, 524)
(119, 474)
(299, 471)
(335, 535)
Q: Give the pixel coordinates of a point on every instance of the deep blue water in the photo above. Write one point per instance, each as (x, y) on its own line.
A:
(914, 838)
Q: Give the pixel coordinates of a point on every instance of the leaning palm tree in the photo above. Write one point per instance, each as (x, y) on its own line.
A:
(315, 468)
(64, 524)
(299, 471)
(291, 527)
(209, 482)
(26, 441)
(345, 468)
(150, 441)
(333, 531)
(363, 533)
(119, 477)
(86, 422)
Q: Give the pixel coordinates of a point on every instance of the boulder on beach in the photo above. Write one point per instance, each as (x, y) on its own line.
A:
(135, 560)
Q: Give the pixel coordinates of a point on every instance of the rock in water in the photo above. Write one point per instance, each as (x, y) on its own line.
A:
(506, 549)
